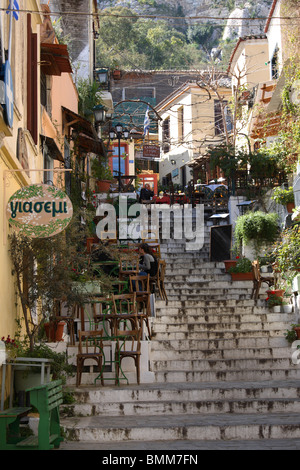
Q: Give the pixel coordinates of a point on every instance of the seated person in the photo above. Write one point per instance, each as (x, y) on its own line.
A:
(148, 264)
(146, 193)
(162, 198)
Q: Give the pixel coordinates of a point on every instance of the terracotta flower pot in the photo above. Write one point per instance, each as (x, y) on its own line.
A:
(277, 292)
(54, 332)
(290, 206)
(229, 263)
(103, 186)
(297, 330)
(242, 276)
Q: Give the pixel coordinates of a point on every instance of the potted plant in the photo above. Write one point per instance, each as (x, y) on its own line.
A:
(284, 197)
(286, 251)
(242, 271)
(102, 173)
(229, 263)
(274, 300)
(293, 334)
(11, 347)
(255, 230)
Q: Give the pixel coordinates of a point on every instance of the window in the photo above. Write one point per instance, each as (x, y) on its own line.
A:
(45, 95)
(180, 124)
(219, 121)
(32, 85)
(166, 135)
(130, 93)
(275, 64)
(115, 160)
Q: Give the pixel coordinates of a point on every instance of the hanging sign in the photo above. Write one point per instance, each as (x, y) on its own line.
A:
(39, 211)
(151, 152)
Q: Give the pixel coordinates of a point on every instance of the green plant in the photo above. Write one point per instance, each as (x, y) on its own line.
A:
(59, 365)
(257, 227)
(287, 251)
(100, 170)
(274, 300)
(243, 265)
(11, 345)
(283, 196)
(291, 335)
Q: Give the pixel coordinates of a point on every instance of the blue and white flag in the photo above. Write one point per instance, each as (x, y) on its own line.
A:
(147, 122)
(13, 8)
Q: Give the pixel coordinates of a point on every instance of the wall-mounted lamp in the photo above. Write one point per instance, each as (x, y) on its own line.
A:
(173, 162)
(99, 114)
(101, 76)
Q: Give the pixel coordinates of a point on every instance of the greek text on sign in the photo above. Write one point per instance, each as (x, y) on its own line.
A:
(39, 211)
(151, 151)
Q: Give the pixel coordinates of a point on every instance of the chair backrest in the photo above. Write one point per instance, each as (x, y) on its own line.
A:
(256, 270)
(129, 340)
(139, 283)
(99, 306)
(90, 342)
(161, 269)
(124, 303)
(128, 264)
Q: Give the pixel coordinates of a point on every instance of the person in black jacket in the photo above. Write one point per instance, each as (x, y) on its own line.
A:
(146, 193)
(148, 264)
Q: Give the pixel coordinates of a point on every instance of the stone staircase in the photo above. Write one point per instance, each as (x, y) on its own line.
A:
(223, 375)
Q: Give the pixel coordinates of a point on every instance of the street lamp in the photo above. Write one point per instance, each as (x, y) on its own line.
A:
(119, 134)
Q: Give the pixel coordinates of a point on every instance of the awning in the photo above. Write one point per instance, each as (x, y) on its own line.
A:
(55, 59)
(54, 151)
(77, 122)
(88, 139)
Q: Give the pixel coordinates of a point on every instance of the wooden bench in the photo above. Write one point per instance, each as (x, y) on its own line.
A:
(10, 427)
(46, 399)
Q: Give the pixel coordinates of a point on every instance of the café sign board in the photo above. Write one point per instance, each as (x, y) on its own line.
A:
(39, 211)
(151, 152)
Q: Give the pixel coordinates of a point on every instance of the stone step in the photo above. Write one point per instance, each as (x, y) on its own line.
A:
(175, 376)
(215, 335)
(222, 344)
(183, 427)
(211, 317)
(285, 389)
(217, 365)
(217, 354)
(169, 407)
(193, 327)
(210, 303)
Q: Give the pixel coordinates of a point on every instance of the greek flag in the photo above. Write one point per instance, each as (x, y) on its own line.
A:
(147, 122)
(13, 8)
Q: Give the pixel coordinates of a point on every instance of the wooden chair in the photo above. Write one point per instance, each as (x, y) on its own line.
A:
(101, 308)
(90, 347)
(128, 345)
(258, 280)
(152, 241)
(69, 317)
(125, 310)
(141, 286)
(158, 280)
(128, 266)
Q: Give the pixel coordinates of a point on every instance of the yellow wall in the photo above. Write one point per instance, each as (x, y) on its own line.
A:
(10, 181)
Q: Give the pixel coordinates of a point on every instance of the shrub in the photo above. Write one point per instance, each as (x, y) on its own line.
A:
(257, 227)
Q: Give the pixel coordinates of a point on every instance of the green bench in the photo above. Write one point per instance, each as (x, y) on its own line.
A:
(46, 399)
